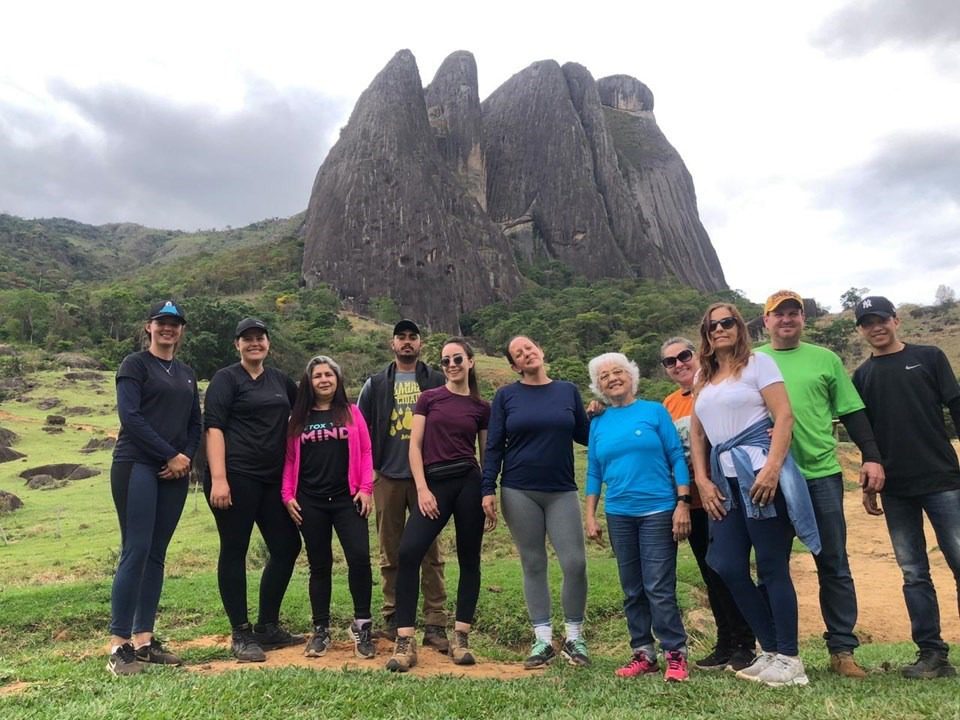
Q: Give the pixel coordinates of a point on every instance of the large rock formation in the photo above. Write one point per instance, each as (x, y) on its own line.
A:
(429, 195)
(388, 217)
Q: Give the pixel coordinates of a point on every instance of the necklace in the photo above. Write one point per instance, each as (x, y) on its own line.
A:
(168, 369)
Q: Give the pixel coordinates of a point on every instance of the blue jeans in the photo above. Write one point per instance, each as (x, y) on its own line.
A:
(838, 597)
(771, 612)
(647, 561)
(148, 509)
(904, 517)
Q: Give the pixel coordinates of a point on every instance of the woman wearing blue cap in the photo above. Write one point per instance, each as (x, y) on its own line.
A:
(245, 415)
(159, 409)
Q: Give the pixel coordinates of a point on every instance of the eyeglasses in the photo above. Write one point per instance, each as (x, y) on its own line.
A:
(616, 373)
(683, 356)
(726, 323)
(456, 360)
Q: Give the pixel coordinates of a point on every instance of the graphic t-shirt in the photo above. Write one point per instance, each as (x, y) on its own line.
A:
(324, 456)
(406, 391)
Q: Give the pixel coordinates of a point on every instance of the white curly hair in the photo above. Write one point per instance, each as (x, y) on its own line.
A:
(618, 359)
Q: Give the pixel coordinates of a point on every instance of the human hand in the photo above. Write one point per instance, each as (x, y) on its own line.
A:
(595, 408)
(178, 466)
(681, 522)
(594, 531)
(872, 477)
(712, 499)
(490, 512)
(220, 494)
(293, 507)
(366, 503)
(764, 488)
(427, 503)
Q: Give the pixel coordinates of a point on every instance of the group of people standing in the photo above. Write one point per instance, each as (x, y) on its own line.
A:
(740, 459)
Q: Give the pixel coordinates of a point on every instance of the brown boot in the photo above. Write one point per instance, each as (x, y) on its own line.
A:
(843, 664)
(435, 636)
(460, 649)
(404, 654)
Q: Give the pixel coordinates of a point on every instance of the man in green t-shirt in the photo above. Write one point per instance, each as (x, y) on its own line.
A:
(820, 390)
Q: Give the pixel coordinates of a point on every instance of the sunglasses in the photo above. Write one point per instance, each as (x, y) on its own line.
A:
(683, 356)
(726, 323)
(455, 360)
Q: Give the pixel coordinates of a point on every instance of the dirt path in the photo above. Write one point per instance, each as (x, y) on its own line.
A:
(883, 615)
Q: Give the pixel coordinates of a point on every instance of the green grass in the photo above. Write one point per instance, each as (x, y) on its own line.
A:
(56, 570)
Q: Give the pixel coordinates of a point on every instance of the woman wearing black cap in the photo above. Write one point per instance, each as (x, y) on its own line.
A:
(159, 409)
(245, 414)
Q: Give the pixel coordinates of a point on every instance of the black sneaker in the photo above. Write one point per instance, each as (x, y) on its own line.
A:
(388, 631)
(542, 653)
(716, 660)
(435, 636)
(271, 636)
(740, 658)
(245, 646)
(319, 643)
(157, 654)
(123, 661)
(929, 664)
(575, 651)
(363, 646)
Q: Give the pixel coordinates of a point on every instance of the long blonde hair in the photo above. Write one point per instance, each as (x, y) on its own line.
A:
(709, 365)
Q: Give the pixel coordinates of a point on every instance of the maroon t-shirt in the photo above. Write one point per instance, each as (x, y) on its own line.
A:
(453, 422)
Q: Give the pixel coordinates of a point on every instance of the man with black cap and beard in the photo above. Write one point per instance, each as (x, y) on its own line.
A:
(387, 401)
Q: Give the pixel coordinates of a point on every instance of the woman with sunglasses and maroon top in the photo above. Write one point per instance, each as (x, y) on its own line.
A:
(735, 641)
(449, 425)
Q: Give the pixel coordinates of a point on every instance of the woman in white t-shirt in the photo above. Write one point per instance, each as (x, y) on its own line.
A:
(736, 393)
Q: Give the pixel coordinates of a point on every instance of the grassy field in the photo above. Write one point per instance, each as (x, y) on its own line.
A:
(56, 565)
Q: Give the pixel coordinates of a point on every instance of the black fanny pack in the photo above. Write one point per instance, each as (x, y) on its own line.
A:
(447, 470)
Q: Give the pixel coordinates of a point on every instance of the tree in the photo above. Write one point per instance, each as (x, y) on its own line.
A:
(945, 296)
(851, 297)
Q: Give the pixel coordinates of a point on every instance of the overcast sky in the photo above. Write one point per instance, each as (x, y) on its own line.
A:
(823, 137)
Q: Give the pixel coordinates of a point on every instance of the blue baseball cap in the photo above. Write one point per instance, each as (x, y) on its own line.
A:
(167, 309)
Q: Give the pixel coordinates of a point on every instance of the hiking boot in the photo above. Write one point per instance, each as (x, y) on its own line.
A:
(388, 631)
(676, 666)
(123, 661)
(930, 663)
(157, 654)
(404, 654)
(541, 654)
(640, 664)
(740, 659)
(245, 646)
(716, 660)
(460, 649)
(435, 636)
(271, 636)
(843, 664)
(783, 671)
(760, 663)
(319, 643)
(575, 652)
(363, 646)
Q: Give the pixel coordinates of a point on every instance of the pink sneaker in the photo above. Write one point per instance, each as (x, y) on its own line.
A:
(639, 664)
(676, 667)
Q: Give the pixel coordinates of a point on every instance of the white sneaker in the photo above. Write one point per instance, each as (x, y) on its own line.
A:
(784, 670)
(752, 671)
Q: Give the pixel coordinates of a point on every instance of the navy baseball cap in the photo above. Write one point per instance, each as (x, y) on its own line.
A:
(166, 309)
(874, 305)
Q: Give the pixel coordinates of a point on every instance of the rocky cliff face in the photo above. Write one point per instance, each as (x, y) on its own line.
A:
(388, 217)
(429, 195)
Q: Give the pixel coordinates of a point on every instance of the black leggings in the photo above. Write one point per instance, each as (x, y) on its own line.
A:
(458, 497)
(321, 516)
(254, 502)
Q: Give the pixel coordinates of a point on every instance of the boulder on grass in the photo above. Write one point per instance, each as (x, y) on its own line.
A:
(61, 471)
(8, 454)
(9, 502)
(56, 420)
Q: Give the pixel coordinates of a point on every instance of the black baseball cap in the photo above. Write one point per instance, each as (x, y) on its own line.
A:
(874, 305)
(406, 326)
(251, 323)
(166, 309)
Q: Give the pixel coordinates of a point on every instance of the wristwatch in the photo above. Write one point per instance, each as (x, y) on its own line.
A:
(685, 498)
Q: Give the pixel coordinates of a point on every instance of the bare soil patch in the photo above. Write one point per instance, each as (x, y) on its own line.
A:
(14, 688)
(340, 657)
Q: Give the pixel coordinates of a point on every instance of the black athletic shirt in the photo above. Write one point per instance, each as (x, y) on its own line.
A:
(159, 408)
(253, 415)
(324, 456)
(905, 393)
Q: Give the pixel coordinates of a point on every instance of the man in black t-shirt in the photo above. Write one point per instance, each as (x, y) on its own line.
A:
(905, 388)
(387, 401)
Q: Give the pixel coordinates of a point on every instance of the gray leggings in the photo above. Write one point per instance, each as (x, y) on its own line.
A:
(532, 517)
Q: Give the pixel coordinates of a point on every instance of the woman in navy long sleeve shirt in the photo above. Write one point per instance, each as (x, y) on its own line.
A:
(533, 425)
